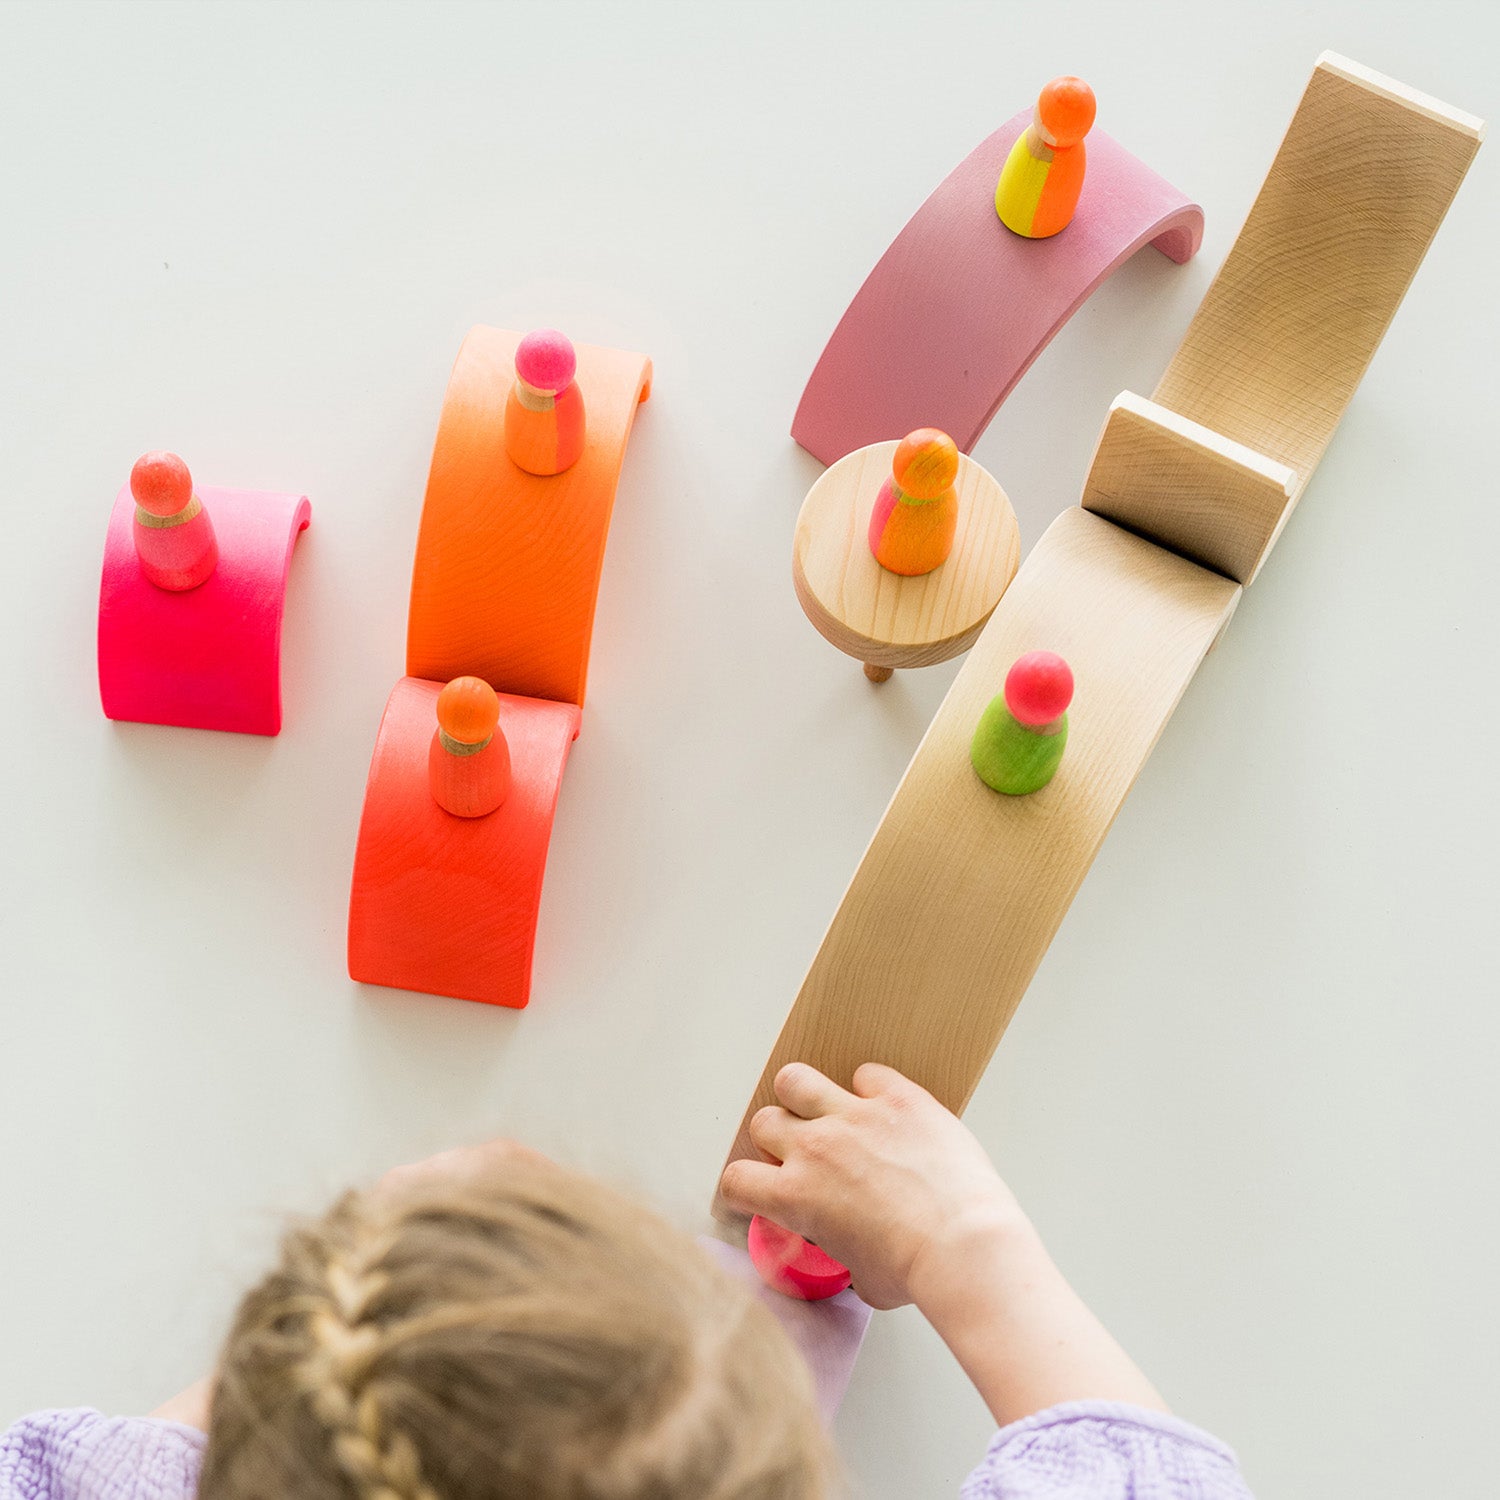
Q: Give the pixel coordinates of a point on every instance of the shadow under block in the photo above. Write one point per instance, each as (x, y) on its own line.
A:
(444, 904)
(880, 617)
(1356, 193)
(207, 657)
(961, 890)
(507, 564)
(959, 307)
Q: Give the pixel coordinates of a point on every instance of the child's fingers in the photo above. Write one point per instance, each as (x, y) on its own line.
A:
(772, 1129)
(753, 1187)
(872, 1079)
(809, 1093)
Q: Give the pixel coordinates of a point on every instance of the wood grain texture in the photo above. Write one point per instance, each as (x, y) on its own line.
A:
(961, 889)
(448, 905)
(1187, 488)
(544, 433)
(179, 551)
(958, 307)
(507, 565)
(880, 617)
(469, 781)
(1358, 188)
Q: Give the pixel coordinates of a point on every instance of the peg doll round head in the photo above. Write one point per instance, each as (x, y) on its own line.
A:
(1039, 688)
(545, 361)
(468, 710)
(925, 464)
(160, 484)
(1065, 111)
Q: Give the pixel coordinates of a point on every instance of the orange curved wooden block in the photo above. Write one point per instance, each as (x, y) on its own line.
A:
(508, 563)
(444, 904)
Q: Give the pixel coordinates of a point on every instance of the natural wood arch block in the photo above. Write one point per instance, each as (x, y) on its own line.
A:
(878, 616)
(449, 905)
(960, 890)
(1188, 488)
(1358, 189)
(957, 309)
(507, 566)
(207, 657)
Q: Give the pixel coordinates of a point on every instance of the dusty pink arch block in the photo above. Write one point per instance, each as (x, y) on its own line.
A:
(959, 307)
(209, 657)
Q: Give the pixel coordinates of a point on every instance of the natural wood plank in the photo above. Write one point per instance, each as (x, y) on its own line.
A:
(961, 889)
(1187, 488)
(1356, 192)
(880, 617)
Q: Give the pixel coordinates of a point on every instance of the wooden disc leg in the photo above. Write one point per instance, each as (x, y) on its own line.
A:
(878, 674)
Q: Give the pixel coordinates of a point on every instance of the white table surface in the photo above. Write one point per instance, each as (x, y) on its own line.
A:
(1251, 1096)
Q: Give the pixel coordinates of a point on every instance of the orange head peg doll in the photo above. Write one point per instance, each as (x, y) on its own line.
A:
(1042, 177)
(544, 419)
(468, 763)
(174, 539)
(916, 512)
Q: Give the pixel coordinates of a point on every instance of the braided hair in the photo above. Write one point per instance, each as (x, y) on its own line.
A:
(527, 1333)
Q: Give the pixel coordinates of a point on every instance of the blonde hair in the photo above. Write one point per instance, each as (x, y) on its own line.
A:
(526, 1333)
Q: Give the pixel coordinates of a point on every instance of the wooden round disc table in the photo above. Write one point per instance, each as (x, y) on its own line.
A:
(881, 618)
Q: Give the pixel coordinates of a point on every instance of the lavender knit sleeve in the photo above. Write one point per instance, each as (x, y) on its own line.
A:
(81, 1455)
(1102, 1450)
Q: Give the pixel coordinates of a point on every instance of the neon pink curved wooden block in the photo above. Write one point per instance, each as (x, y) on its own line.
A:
(793, 1266)
(444, 904)
(959, 307)
(208, 657)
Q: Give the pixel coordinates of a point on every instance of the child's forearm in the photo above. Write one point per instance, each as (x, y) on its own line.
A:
(1021, 1333)
(885, 1179)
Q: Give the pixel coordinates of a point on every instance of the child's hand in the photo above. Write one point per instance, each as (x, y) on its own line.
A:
(884, 1179)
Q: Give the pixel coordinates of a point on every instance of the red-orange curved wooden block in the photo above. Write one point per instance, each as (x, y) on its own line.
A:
(444, 904)
(508, 563)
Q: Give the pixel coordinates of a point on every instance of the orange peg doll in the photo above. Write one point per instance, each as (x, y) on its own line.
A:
(916, 512)
(544, 419)
(468, 764)
(174, 539)
(1043, 175)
